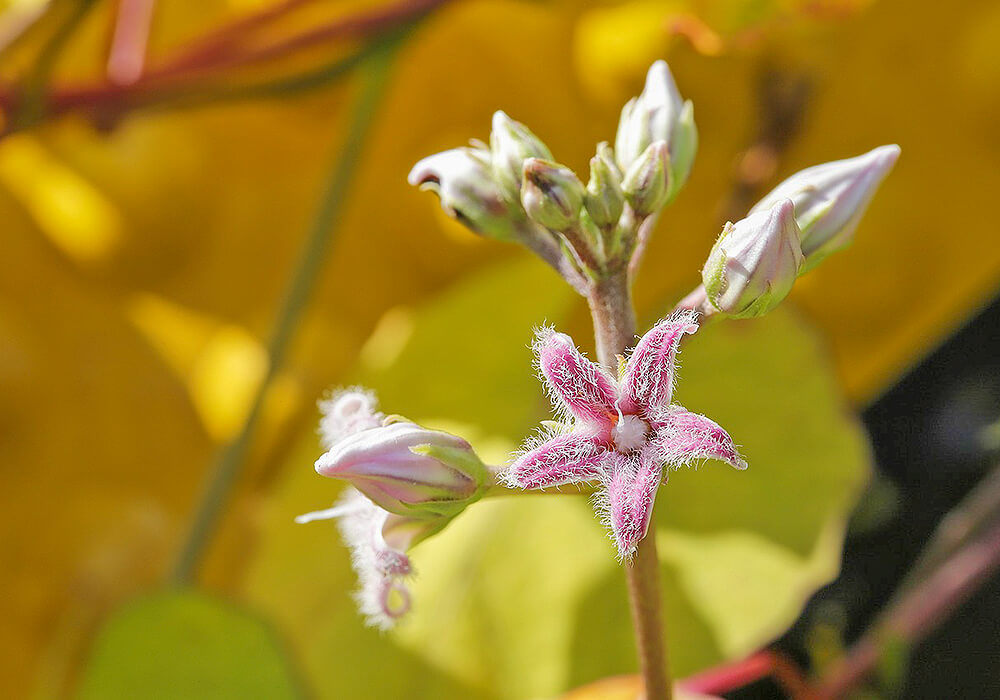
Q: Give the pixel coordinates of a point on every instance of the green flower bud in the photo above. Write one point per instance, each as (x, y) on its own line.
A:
(604, 199)
(551, 194)
(646, 182)
(511, 143)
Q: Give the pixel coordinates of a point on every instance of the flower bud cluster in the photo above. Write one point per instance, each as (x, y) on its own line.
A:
(659, 114)
(513, 189)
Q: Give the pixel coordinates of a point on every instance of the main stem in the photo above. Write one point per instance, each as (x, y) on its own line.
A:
(614, 330)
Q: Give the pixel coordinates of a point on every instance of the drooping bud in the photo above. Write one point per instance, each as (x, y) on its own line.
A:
(603, 199)
(409, 470)
(511, 143)
(646, 183)
(754, 263)
(659, 114)
(551, 194)
(463, 179)
(831, 198)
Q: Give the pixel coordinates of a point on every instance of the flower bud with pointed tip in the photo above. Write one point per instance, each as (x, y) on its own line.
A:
(831, 198)
(753, 265)
(604, 199)
(551, 194)
(463, 179)
(409, 470)
(511, 143)
(646, 183)
(659, 114)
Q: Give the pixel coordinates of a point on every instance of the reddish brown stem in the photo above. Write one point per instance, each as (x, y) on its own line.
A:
(220, 41)
(177, 73)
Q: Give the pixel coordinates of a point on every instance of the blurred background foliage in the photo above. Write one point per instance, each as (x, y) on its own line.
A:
(151, 231)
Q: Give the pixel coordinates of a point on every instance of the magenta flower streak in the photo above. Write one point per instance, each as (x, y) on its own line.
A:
(624, 434)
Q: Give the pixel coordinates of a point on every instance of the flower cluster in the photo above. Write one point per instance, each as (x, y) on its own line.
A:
(620, 433)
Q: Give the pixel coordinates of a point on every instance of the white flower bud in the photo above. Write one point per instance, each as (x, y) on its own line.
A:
(646, 183)
(831, 198)
(659, 114)
(551, 194)
(511, 143)
(463, 179)
(753, 265)
(408, 470)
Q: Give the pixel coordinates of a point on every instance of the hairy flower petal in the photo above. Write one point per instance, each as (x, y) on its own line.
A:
(382, 594)
(648, 383)
(684, 437)
(577, 383)
(631, 494)
(564, 459)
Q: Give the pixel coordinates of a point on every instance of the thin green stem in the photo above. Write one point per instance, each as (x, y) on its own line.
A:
(33, 88)
(232, 457)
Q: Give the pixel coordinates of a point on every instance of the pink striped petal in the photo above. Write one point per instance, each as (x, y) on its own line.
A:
(580, 385)
(564, 459)
(648, 383)
(631, 494)
(683, 437)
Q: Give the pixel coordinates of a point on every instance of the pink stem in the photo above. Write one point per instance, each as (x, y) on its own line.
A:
(919, 611)
(127, 56)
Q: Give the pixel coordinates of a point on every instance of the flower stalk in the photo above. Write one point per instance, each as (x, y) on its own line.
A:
(614, 329)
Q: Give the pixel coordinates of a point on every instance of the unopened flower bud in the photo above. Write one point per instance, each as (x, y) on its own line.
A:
(831, 198)
(408, 470)
(463, 179)
(646, 183)
(754, 263)
(659, 114)
(511, 143)
(551, 194)
(603, 199)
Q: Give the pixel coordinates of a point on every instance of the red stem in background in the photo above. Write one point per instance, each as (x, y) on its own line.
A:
(756, 667)
(215, 54)
(924, 607)
(217, 42)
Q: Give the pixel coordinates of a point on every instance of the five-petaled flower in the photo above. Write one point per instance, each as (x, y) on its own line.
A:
(625, 433)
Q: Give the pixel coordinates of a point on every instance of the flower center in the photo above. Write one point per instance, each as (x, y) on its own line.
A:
(630, 433)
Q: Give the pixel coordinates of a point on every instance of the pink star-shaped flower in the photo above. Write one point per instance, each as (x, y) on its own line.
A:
(624, 433)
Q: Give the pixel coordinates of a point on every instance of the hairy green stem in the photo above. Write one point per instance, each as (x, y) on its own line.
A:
(614, 330)
(232, 457)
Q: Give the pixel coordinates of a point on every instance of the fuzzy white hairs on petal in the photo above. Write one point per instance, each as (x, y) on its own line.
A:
(347, 411)
(382, 595)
